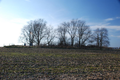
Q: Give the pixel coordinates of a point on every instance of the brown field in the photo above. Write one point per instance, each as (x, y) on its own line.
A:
(58, 64)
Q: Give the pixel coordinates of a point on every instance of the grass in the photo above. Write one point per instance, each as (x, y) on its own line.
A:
(37, 62)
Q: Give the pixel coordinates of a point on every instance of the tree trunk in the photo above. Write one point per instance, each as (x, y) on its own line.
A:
(38, 42)
(79, 43)
(72, 41)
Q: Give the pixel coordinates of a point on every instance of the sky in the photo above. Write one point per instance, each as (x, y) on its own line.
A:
(14, 14)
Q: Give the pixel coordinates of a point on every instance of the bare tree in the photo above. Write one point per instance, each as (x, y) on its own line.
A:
(27, 33)
(104, 40)
(96, 37)
(101, 37)
(34, 32)
(83, 32)
(62, 31)
(39, 30)
(50, 35)
(71, 29)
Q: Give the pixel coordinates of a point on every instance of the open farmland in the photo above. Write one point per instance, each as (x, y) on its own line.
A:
(58, 64)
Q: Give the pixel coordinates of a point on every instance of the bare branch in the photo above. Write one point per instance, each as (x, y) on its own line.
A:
(50, 35)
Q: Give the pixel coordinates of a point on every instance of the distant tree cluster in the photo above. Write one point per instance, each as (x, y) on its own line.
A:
(100, 36)
(74, 33)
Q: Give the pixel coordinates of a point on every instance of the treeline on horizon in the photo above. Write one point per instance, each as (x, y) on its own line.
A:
(74, 33)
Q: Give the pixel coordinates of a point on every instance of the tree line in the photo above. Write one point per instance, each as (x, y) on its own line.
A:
(71, 33)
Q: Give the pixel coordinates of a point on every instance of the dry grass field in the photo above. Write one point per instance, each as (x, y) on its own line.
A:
(58, 64)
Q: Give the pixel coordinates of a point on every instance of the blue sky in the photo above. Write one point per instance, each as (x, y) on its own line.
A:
(14, 14)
